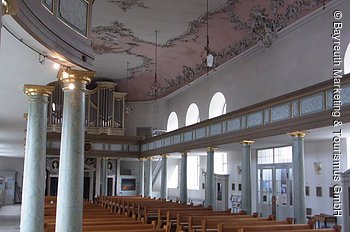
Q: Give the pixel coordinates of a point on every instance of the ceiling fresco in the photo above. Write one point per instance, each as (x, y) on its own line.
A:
(124, 32)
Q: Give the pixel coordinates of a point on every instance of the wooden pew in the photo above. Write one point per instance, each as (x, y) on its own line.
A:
(222, 227)
(96, 218)
(195, 221)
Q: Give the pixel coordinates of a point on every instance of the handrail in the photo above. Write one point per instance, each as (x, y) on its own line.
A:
(186, 137)
(310, 90)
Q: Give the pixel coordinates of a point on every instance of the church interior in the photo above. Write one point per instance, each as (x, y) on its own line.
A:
(160, 115)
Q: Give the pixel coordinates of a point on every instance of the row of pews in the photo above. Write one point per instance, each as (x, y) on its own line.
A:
(136, 214)
(97, 218)
(173, 216)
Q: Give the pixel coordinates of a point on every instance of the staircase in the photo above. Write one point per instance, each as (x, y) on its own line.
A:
(156, 171)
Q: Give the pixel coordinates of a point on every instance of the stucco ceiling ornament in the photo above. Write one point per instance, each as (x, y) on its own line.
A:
(261, 27)
(128, 4)
(259, 24)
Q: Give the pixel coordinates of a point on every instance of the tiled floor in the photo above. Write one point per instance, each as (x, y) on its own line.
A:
(10, 218)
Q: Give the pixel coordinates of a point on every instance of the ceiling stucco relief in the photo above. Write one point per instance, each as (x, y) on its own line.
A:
(128, 4)
(233, 28)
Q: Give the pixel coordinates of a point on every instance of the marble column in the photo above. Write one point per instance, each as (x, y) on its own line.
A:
(148, 177)
(32, 211)
(141, 177)
(298, 177)
(183, 178)
(98, 176)
(209, 185)
(104, 176)
(71, 176)
(119, 186)
(164, 178)
(246, 197)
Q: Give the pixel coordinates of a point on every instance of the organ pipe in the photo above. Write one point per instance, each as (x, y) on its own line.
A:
(104, 106)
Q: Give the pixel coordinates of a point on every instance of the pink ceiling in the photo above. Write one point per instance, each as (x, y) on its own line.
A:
(235, 27)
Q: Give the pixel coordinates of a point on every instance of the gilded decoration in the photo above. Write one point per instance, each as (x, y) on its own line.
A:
(211, 149)
(32, 90)
(71, 76)
(300, 134)
(247, 142)
(9, 7)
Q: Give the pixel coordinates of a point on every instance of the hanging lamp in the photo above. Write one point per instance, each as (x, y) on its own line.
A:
(128, 107)
(210, 57)
(155, 87)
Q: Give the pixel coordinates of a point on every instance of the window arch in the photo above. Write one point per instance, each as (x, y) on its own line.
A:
(192, 115)
(347, 60)
(217, 105)
(173, 122)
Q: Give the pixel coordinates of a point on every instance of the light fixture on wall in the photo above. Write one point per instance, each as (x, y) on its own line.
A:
(155, 87)
(318, 167)
(239, 170)
(204, 173)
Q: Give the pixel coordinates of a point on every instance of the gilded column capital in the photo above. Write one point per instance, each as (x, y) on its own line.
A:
(300, 134)
(4, 7)
(184, 153)
(164, 155)
(105, 158)
(247, 142)
(33, 90)
(149, 158)
(142, 158)
(211, 149)
(9, 7)
(74, 76)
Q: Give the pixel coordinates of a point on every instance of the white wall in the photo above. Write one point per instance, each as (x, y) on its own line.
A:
(130, 165)
(13, 164)
(321, 151)
(300, 57)
(146, 115)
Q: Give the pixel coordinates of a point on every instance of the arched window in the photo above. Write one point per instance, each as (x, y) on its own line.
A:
(347, 60)
(217, 105)
(173, 122)
(192, 115)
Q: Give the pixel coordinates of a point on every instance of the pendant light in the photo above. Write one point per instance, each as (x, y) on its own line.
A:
(155, 87)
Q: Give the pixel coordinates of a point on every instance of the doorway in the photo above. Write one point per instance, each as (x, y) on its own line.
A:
(53, 185)
(111, 185)
(275, 181)
(86, 192)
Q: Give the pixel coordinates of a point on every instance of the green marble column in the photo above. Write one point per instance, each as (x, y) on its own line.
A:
(32, 211)
(71, 174)
(246, 198)
(104, 176)
(209, 185)
(164, 178)
(298, 177)
(141, 191)
(183, 178)
(148, 177)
